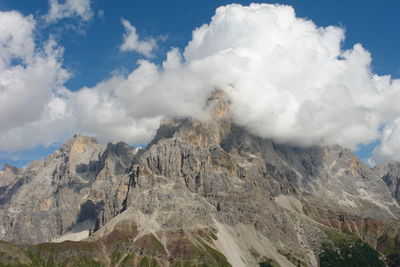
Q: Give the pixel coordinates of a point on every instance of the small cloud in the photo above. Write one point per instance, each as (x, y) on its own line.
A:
(70, 8)
(100, 14)
(163, 38)
(133, 43)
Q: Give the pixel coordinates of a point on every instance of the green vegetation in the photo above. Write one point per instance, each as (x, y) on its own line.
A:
(188, 264)
(146, 262)
(197, 251)
(86, 262)
(67, 253)
(349, 253)
(150, 245)
(213, 236)
(255, 253)
(46, 259)
(292, 258)
(263, 261)
(36, 260)
(268, 263)
(389, 244)
(158, 244)
(129, 260)
(218, 256)
(346, 250)
(154, 263)
(185, 252)
(336, 236)
(116, 256)
(393, 259)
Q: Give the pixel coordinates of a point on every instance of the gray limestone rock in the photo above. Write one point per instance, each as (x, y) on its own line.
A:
(391, 176)
(46, 198)
(7, 175)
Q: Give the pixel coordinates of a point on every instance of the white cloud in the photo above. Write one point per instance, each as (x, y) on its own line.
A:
(389, 150)
(132, 43)
(15, 38)
(31, 85)
(291, 80)
(287, 79)
(70, 8)
(174, 59)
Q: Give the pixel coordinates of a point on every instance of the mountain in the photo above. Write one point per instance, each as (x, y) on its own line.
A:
(202, 193)
(7, 175)
(391, 175)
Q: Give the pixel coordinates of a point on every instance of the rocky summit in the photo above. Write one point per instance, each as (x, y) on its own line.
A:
(202, 193)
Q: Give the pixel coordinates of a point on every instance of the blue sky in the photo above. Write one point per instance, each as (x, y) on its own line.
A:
(92, 54)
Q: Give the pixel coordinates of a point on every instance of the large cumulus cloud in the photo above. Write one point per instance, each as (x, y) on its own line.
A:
(287, 79)
(32, 97)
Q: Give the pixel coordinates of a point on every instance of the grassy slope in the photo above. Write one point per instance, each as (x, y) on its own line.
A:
(119, 247)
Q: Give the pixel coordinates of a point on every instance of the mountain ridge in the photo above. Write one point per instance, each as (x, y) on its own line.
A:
(202, 192)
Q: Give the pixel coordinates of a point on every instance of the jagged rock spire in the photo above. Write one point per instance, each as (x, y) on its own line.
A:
(218, 104)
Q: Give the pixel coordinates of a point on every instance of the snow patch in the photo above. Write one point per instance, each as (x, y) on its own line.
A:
(72, 237)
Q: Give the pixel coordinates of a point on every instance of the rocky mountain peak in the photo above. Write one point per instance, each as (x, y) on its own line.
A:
(80, 143)
(8, 174)
(390, 174)
(218, 104)
(207, 131)
(8, 167)
(79, 154)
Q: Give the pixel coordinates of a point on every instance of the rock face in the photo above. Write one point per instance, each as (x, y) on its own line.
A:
(49, 198)
(202, 192)
(7, 175)
(391, 175)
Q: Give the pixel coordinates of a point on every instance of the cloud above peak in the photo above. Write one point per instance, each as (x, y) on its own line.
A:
(132, 41)
(286, 79)
(291, 80)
